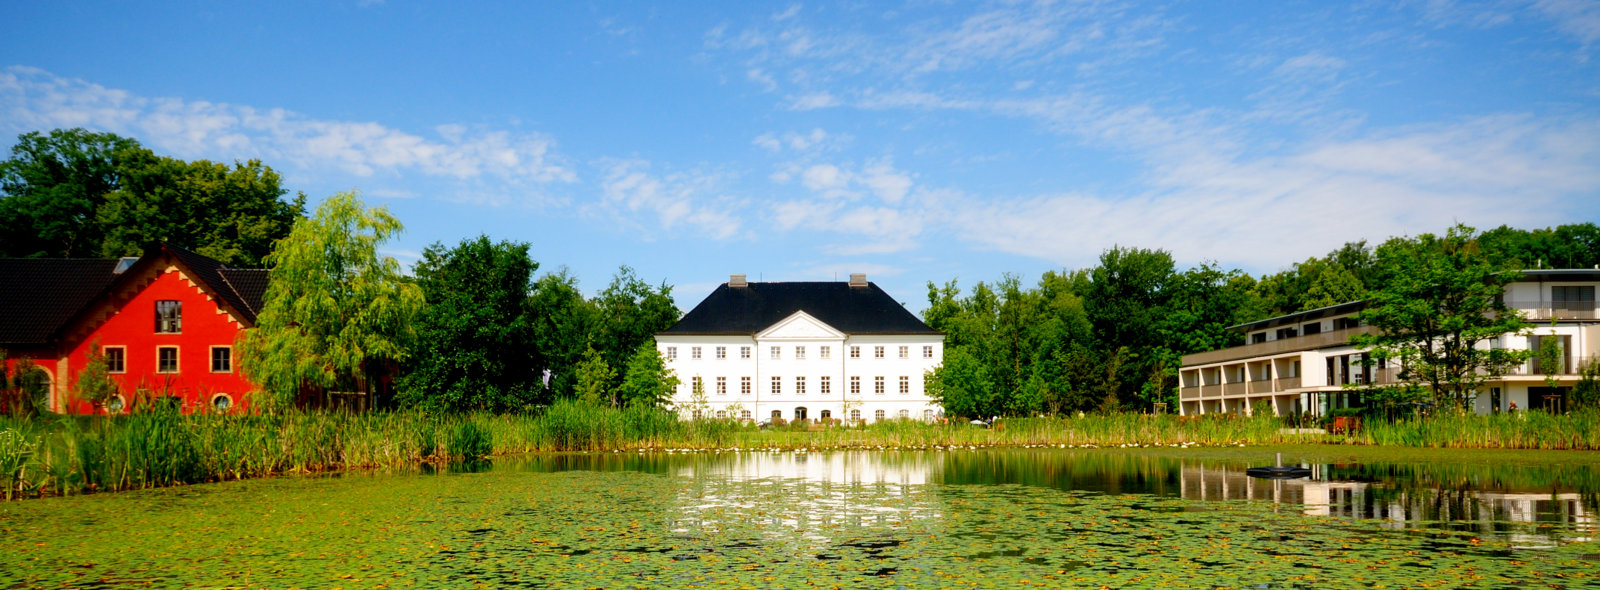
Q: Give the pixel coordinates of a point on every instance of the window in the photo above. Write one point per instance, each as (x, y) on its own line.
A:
(722, 352)
(800, 353)
(1286, 333)
(116, 359)
(221, 359)
(905, 414)
(855, 385)
(694, 353)
(855, 415)
(826, 414)
(722, 414)
(855, 352)
(800, 413)
(877, 352)
(222, 402)
(744, 415)
(1573, 297)
(777, 385)
(905, 352)
(878, 415)
(777, 415)
(825, 352)
(744, 386)
(167, 359)
(1258, 337)
(672, 353)
(1313, 328)
(877, 385)
(927, 352)
(722, 386)
(744, 352)
(169, 316)
(777, 353)
(697, 414)
(826, 385)
(799, 385)
(927, 415)
(905, 385)
(696, 385)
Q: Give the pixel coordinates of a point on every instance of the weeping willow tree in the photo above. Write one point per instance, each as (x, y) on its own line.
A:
(335, 312)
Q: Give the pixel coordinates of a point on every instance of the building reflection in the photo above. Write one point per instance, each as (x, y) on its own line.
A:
(1523, 517)
(806, 493)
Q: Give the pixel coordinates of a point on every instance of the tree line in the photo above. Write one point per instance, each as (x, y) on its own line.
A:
(475, 327)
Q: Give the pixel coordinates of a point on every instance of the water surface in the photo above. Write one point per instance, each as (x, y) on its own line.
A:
(986, 518)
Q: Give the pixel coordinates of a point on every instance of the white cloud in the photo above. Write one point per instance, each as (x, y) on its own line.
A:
(628, 188)
(813, 101)
(33, 99)
(1578, 18)
(887, 183)
(824, 177)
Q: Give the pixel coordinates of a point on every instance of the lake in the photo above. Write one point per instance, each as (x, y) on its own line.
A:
(1135, 517)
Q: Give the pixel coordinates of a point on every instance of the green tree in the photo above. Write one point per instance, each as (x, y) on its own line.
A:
(94, 383)
(629, 314)
(72, 193)
(1586, 394)
(1438, 301)
(562, 322)
(594, 378)
(961, 384)
(648, 381)
(476, 348)
(335, 313)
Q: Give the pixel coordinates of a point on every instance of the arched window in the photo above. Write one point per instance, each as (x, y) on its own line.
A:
(826, 414)
(878, 415)
(800, 413)
(222, 402)
(855, 415)
(777, 415)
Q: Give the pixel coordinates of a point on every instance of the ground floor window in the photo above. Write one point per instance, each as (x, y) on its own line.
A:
(116, 359)
(222, 402)
(878, 415)
(745, 414)
(826, 414)
(777, 415)
(800, 413)
(221, 359)
(167, 359)
(855, 415)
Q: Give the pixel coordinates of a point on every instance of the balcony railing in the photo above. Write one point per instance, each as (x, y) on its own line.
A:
(1287, 383)
(1286, 345)
(1260, 386)
(1233, 389)
(1559, 310)
(1211, 390)
(1190, 393)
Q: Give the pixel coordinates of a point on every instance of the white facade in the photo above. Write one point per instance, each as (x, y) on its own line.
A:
(1303, 362)
(802, 368)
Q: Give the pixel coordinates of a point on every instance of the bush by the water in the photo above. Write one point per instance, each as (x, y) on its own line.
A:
(57, 455)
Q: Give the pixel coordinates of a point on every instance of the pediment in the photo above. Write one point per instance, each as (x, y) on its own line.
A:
(800, 326)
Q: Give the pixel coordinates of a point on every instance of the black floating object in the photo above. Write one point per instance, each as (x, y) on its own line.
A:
(1278, 471)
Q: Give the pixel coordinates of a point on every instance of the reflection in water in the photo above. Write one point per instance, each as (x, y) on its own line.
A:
(1528, 505)
(1525, 518)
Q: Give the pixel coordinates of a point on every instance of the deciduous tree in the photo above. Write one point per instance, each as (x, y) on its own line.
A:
(335, 312)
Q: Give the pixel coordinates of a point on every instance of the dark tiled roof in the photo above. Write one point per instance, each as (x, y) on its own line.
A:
(38, 295)
(757, 306)
(250, 284)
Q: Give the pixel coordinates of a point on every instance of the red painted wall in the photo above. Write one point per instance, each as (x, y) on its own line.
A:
(133, 326)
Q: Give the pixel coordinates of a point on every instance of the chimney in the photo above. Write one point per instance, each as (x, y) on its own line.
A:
(737, 281)
(858, 279)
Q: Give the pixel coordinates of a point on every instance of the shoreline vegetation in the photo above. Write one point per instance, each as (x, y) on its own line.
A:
(68, 455)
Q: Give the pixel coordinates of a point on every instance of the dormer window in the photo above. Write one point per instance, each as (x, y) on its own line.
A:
(169, 316)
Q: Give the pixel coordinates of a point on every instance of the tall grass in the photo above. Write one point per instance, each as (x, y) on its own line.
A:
(59, 455)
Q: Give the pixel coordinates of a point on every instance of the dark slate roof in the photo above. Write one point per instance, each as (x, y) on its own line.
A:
(757, 306)
(250, 284)
(245, 297)
(39, 295)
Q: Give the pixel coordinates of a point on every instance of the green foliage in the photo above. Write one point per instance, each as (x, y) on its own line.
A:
(75, 193)
(594, 379)
(648, 381)
(94, 383)
(1586, 394)
(335, 311)
(1438, 298)
(562, 320)
(476, 346)
(1566, 246)
(961, 384)
(630, 313)
(24, 387)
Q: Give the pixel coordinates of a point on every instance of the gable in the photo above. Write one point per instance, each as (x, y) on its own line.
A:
(800, 326)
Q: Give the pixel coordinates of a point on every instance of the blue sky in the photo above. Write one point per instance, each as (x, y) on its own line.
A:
(912, 141)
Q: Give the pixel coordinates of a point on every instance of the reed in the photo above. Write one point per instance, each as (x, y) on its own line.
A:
(61, 455)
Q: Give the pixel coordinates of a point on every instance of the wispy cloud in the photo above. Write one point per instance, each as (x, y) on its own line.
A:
(675, 200)
(33, 99)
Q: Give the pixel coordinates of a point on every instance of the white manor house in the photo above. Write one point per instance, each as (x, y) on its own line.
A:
(1303, 362)
(802, 351)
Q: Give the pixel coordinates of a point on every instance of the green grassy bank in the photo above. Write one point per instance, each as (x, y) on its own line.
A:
(71, 455)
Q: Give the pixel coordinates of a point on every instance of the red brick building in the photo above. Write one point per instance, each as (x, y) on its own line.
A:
(166, 322)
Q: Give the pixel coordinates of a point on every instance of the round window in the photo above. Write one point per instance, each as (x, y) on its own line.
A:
(116, 404)
(222, 402)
